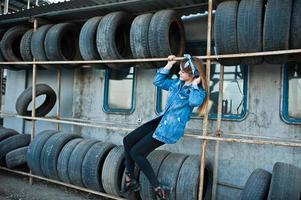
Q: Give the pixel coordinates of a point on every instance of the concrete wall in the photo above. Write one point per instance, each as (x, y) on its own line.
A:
(82, 97)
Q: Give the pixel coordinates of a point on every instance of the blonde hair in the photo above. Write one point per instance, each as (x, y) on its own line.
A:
(201, 110)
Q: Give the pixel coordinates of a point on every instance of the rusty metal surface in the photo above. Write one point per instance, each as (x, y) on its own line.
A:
(82, 9)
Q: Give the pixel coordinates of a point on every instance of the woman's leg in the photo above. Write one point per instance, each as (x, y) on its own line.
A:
(133, 137)
(139, 153)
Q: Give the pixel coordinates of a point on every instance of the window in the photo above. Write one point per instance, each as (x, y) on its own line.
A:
(291, 110)
(119, 94)
(234, 94)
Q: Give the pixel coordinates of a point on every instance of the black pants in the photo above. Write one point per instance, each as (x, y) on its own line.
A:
(137, 145)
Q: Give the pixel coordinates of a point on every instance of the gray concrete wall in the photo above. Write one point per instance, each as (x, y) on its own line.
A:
(82, 97)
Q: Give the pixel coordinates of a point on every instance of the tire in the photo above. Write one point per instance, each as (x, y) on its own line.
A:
(13, 143)
(51, 151)
(295, 30)
(166, 35)
(10, 46)
(188, 179)
(87, 42)
(155, 158)
(37, 45)
(61, 43)
(139, 39)
(276, 29)
(285, 183)
(2, 31)
(33, 155)
(225, 31)
(63, 160)
(113, 39)
(76, 160)
(249, 29)
(16, 157)
(257, 185)
(25, 98)
(6, 133)
(25, 46)
(112, 170)
(92, 165)
(169, 171)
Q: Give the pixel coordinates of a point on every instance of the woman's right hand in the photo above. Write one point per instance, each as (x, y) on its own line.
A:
(171, 60)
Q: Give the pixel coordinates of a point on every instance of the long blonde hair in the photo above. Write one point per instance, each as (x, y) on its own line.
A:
(201, 110)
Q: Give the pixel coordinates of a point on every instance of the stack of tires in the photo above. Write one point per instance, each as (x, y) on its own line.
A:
(117, 35)
(284, 183)
(100, 166)
(249, 26)
(13, 148)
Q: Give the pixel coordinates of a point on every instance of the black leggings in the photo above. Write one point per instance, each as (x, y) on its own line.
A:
(137, 145)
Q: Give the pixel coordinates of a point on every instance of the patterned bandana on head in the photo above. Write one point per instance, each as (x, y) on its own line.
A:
(189, 62)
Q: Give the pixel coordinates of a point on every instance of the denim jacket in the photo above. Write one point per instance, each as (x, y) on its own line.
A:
(180, 102)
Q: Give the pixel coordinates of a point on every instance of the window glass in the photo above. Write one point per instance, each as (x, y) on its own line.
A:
(119, 93)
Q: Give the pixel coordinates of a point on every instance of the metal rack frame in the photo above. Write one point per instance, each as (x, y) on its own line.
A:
(219, 136)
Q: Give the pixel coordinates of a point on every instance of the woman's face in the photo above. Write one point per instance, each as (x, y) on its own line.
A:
(184, 76)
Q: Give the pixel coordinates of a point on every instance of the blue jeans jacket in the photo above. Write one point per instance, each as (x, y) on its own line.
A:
(180, 102)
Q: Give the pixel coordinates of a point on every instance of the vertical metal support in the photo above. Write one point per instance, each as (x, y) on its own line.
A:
(58, 97)
(37, 2)
(0, 8)
(6, 6)
(218, 130)
(28, 4)
(33, 114)
(1, 91)
(205, 121)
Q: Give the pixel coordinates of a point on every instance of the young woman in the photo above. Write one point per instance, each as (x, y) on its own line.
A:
(185, 93)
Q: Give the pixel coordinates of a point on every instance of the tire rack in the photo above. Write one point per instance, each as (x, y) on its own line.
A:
(218, 134)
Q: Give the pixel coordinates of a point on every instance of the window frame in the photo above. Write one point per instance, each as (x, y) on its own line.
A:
(284, 99)
(106, 108)
(225, 117)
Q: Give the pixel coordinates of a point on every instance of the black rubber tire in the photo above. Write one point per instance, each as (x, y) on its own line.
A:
(295, 30)
(6, 133)
(139, 39)
(76, 160)
(25, 98)
(188, 179)
(10, 46)
(63, 160)
(155, 158)
(166, 35)
(112, 171)
(61, 43)
(225, 31)
(113, 39)
(33, 155)
(285, 183)
(93, 163)
(257, 185)
(169, 171)
(276, 29)
(13, 143)
(2, 31)
(51, 151)
(87, 42)
(25, 46)
(16, 157)
(37, 45)
(250, 18)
